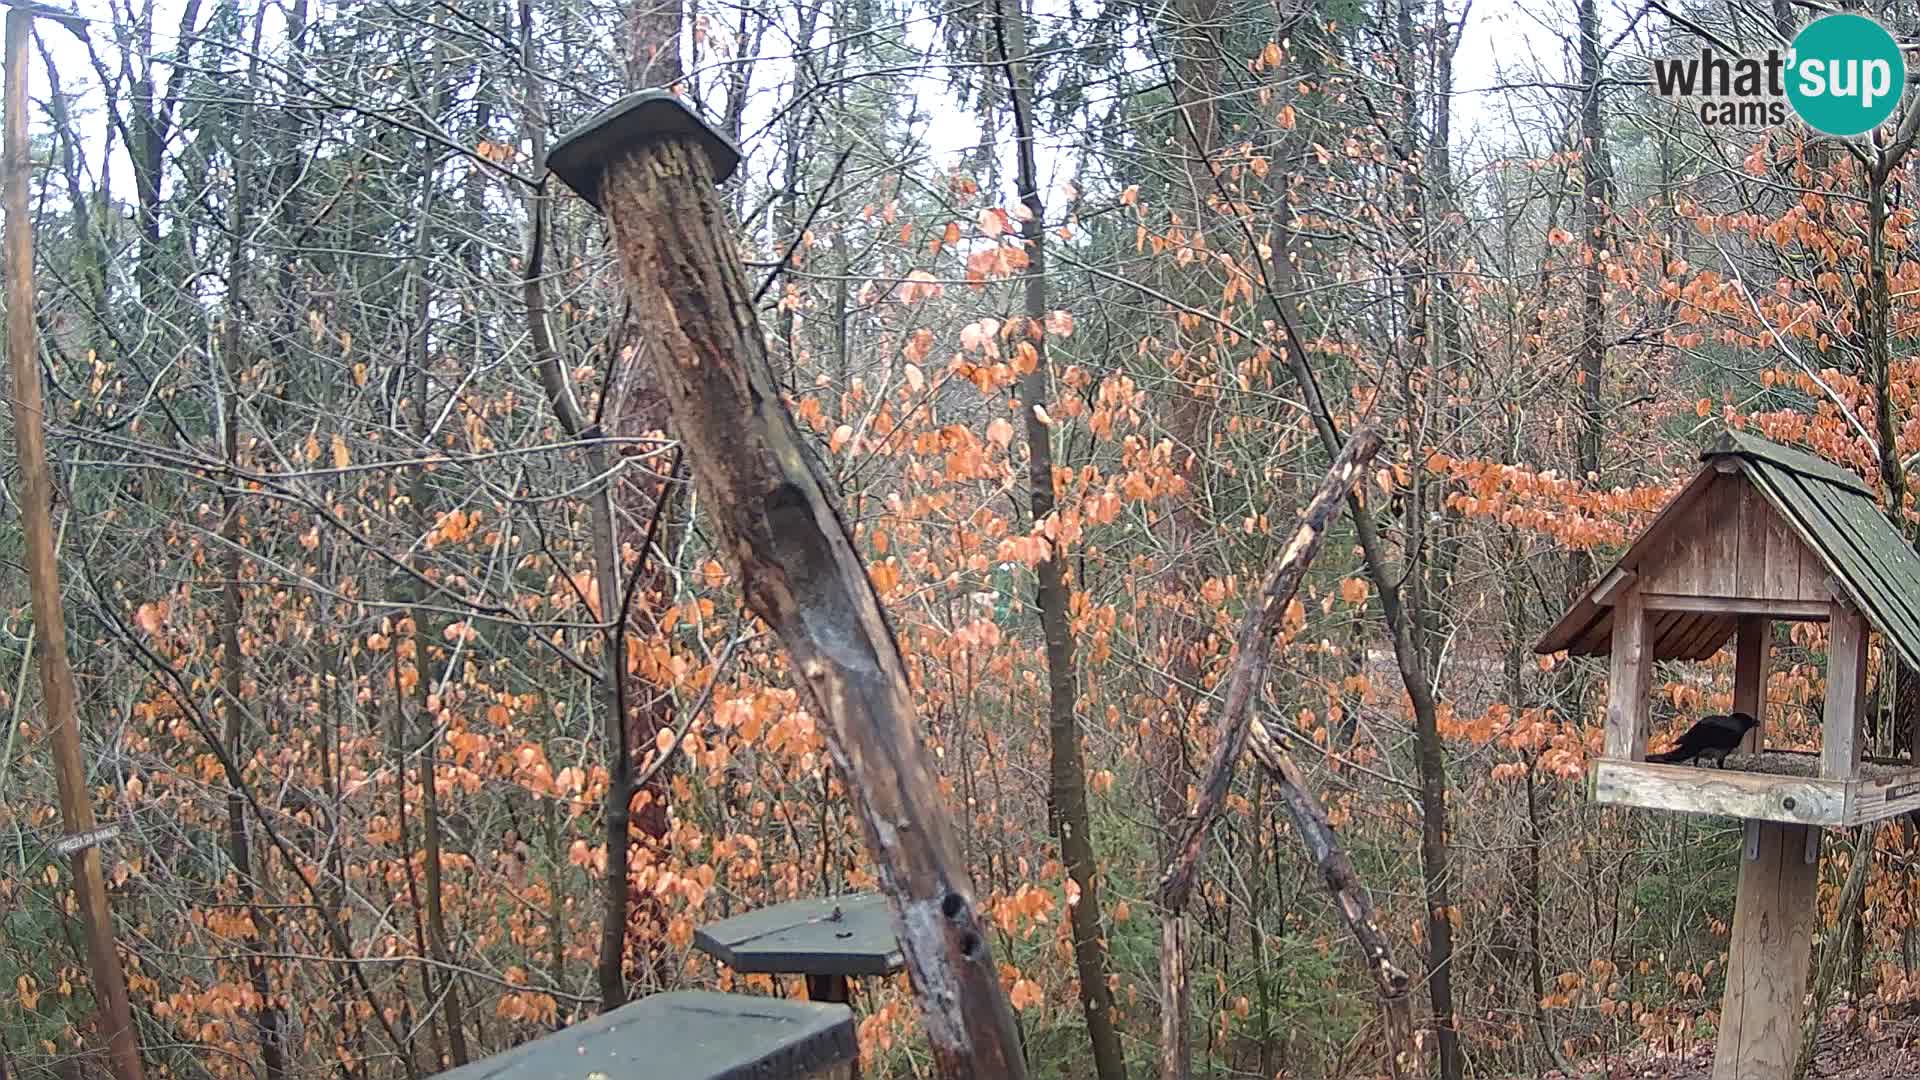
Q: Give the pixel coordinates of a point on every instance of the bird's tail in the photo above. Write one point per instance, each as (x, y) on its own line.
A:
(1667, 758)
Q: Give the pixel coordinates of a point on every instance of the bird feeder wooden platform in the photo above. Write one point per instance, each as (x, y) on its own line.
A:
(1763, 533)
(689, 1035)
(829, 941)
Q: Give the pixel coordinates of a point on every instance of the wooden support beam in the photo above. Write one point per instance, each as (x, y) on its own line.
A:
(1694, 790)
(1768, 954)
(1608, 591)
(1846, 692)
(1731, 792)
(1631, 680)
(1750, 649)
(836, 989)
(1807, 610)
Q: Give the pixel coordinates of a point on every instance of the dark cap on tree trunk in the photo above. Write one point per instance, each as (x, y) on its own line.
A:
(582, 155)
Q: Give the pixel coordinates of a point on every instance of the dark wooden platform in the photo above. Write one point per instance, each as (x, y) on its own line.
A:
(647, 116)
(689, 1035)
(844, 936)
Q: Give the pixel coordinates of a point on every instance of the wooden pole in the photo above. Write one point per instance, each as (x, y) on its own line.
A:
(652, 166)
(43, 572)
(1631, 680)
(1768, 954)
(1751, 640)
(1846, 693)
(1770, 949)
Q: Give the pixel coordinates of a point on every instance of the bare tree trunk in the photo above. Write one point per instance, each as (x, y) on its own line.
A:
(613, 690)
(556, 900)
(1877, 324)
(422, 740)
(1196, 66)
(233, 666)
(145, 129)
(1517, 634)
(58, 695)
(398, 746)
(653, 44)
(1597, 183)
(612, 682)
(267, 1018)
(333, 907)
(425, 736)
(1428, 559)
(1067, 790)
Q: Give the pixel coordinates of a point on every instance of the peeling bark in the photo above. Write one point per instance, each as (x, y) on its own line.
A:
(775, 522)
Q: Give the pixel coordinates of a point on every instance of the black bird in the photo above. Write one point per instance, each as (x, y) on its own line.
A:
(1713, 737)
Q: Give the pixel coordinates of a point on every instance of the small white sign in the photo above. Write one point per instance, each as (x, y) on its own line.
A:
(67, 845)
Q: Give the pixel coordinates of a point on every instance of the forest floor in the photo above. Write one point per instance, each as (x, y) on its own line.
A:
(1891, 1053)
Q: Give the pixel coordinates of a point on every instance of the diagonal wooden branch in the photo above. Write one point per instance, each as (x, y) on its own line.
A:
(1255, 647)
(1238, 728)
(1316, 832)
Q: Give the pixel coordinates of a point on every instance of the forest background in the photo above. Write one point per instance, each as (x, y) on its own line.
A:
(370, 520)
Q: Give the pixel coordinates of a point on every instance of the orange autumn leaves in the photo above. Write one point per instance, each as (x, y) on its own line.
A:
(1544, 502)
(1819, 278)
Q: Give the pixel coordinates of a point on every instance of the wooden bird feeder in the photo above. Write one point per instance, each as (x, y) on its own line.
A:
(1763, 533)
(689, 1035)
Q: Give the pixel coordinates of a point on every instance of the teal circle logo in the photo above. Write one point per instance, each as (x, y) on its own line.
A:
(1846, 74)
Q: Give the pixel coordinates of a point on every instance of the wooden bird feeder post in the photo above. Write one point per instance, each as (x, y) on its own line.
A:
(829, 941)
(651, 166)
(1764, 533)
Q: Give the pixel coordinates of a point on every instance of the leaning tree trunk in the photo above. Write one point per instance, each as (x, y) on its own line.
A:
(58, 693)
(652, 169)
